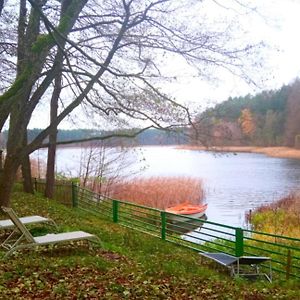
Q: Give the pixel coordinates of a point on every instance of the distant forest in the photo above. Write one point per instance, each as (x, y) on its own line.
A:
(270, 118)
(148, 137)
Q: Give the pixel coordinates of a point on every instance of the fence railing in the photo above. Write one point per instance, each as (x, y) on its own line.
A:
(197, 234)
(64, 191)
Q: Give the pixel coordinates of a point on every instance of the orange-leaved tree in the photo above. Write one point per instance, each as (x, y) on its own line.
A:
(247, 122)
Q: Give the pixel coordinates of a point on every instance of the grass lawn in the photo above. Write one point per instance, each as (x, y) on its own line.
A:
(127, 265)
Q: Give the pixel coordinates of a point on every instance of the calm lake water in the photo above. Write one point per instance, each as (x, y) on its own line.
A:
(234, 184)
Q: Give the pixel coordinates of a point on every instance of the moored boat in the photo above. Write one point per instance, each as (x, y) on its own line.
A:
(186, 209)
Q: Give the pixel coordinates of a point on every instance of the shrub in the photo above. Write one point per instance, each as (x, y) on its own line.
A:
(281, 217)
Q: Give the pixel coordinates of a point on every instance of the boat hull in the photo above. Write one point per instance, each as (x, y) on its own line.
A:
(183, 212)
(182, 217)
(184, 225)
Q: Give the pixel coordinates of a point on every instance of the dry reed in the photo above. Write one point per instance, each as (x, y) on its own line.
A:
(289, 203)
(160, 192)
(38, 169)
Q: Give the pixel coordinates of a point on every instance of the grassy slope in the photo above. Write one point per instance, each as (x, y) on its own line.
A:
(128, 265)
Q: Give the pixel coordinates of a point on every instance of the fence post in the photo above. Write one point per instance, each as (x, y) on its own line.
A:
(115, 207)
(163, 224)
(74, 195)
(35, 184)
(239, 242)
(288, 265)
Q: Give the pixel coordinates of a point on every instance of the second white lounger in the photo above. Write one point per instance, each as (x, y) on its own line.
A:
(8, 224)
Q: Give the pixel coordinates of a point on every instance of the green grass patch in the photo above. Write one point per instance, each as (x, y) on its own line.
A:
(128, 265)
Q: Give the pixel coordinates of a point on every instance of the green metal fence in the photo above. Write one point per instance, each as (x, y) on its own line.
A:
(197, 234)
(64, 191)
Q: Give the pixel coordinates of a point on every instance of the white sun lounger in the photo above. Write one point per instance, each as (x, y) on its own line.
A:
(8, 224)
(29, 220)
(26, 240)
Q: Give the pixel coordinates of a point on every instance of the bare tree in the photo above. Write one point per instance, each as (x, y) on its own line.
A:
(112, 56)
(104, 165)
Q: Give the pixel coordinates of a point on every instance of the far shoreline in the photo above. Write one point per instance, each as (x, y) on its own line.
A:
(281, 152)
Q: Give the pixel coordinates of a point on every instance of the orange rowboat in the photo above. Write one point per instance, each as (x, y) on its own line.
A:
(189, 210)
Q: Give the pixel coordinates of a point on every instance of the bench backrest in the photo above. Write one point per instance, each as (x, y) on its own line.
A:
(19, 225)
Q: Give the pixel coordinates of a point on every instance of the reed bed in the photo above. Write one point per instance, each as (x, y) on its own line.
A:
(38, 169)
(160, 192)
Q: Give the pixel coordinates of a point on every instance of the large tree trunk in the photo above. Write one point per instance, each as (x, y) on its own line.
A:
(1, 154)
(7, 180)
(50, 175)
(19, 101)
(26, 170)
(26, 174)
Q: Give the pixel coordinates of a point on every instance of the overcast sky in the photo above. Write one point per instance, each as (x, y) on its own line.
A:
(275, 22)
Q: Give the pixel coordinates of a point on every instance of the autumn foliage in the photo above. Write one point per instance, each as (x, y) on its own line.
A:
(246, 121)
(160, 192)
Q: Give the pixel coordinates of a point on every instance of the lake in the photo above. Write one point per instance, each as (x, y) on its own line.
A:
(233, 184)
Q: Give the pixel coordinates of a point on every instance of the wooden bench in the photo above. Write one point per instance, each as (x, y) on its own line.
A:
(236, 264)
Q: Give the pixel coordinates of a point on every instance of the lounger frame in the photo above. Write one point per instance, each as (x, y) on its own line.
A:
(26, 240)
(235, 264)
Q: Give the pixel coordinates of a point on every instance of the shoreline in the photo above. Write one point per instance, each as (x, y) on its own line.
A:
(281, 152)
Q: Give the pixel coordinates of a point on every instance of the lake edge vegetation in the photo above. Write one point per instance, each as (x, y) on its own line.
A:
(281, 217)
(160, 192)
